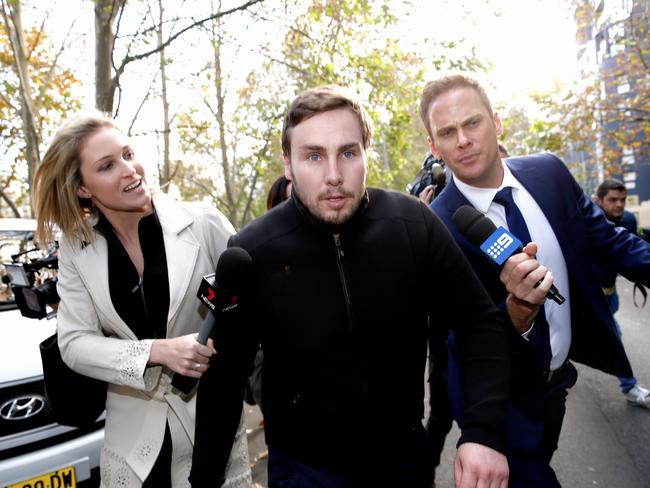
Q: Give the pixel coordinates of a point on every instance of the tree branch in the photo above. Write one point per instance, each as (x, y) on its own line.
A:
(128, 59)
(41, 30)
(11, 204)
(144, 99)
(50, 72)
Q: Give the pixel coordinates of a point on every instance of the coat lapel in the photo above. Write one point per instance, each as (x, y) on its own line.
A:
(452, 199)
(532, 178)
(182, 249)
(92, 266)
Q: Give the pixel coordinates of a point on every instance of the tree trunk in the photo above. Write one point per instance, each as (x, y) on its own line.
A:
(221, 126)
(27, 110)
(105, 83)
(165, 175)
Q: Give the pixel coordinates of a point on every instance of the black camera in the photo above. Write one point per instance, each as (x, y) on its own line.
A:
(432, 173)
(32, 297)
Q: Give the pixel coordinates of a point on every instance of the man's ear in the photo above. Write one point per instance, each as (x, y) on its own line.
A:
(498, 125)
(432, 148)
(287, 167)
(82, 192)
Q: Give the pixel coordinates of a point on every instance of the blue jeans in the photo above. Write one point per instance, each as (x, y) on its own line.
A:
(626, 384)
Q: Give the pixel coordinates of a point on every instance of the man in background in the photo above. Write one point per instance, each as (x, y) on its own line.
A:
(610, 196)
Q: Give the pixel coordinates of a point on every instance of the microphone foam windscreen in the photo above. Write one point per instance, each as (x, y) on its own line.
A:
(473, 225)
(233, 269)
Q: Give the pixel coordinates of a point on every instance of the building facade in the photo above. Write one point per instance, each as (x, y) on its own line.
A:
(614, 53)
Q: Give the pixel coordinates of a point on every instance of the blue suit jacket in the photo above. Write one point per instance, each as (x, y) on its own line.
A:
(585, 237)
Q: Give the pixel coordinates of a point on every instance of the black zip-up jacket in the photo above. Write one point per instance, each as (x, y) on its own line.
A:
(343, 321)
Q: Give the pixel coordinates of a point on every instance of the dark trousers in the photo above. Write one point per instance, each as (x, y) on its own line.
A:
(286, 472)
(531, 469)
(160, 475)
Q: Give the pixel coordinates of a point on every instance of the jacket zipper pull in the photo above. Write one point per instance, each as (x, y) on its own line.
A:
(339, 248)
(139, 285)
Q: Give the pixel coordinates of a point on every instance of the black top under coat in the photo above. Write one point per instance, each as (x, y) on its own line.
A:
(141, 302)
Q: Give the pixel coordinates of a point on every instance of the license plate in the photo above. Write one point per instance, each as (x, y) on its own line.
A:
(62, 478)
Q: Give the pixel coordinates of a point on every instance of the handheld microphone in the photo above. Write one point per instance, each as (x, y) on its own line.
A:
(496, 243)
(219, 291)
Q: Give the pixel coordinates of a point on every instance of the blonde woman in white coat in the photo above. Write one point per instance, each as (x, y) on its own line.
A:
(129, 268)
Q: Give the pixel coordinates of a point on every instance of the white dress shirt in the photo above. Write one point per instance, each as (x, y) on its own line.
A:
(548, 252)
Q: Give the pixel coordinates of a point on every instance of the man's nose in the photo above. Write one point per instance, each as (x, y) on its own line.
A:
(462, 139)
(333, 176)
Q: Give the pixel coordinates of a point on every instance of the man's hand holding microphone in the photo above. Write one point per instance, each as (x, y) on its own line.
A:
(528, 282)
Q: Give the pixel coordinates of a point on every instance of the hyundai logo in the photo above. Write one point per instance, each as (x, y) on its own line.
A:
(22, 407)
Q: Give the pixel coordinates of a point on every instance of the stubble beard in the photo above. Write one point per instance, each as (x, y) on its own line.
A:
(332, 218)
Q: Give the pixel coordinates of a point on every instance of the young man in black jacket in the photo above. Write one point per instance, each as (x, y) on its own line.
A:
(344, 281)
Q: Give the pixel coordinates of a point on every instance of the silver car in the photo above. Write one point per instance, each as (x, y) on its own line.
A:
(35, 451)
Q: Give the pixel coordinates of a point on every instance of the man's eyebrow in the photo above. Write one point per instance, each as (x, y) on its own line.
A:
(342, 147)
(350, 145)
(452, 126)
(311, 147)
(472, 118)
(445, 127)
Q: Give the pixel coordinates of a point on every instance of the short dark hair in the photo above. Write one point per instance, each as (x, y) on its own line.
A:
(503, 151)
(438, 87)
(607, 185)
(318, 100)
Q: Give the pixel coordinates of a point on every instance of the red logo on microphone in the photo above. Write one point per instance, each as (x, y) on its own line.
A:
(211, 294)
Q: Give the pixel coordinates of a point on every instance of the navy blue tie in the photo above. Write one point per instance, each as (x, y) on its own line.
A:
(517, 225)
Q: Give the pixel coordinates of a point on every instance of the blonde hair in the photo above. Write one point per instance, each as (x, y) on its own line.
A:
(58, 177)
(322, 99)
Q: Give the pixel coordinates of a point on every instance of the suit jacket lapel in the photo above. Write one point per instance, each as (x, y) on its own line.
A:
(533, 179)
(452, 200)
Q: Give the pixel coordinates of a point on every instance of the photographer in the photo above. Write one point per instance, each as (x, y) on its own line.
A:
(32, 283)
(429, 181)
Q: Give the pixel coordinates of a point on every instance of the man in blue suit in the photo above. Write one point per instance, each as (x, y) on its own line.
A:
(568, 235)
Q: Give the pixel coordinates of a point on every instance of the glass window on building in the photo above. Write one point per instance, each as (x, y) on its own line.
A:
(627, 5)
(623, 88)
(617, 38)
(601, 48)
(628, 156)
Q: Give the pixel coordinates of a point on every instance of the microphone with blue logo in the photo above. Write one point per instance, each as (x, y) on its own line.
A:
(496, 242)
